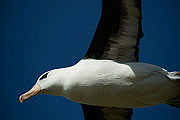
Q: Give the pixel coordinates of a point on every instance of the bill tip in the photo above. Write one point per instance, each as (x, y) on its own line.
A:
(20, 99)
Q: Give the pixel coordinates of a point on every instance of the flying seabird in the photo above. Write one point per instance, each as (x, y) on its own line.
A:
(106, 88)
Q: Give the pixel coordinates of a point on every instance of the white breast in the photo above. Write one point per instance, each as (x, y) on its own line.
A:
(107, 83)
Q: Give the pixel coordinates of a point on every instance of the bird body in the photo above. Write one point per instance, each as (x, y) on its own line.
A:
(111, 84)
(106, 88)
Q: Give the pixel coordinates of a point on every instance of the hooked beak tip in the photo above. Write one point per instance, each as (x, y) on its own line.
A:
(34, 91)
(21, 99)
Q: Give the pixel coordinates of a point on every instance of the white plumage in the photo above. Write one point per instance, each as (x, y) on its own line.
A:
(107, 83)
(115, 88)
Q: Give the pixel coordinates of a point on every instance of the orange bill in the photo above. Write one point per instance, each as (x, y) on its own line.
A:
(34, 91)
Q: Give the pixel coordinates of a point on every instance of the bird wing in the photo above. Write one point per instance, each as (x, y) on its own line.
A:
(106, 113)
(117, 38)
(118, 33)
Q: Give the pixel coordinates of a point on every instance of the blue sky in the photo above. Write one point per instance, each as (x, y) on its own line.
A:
(37, 36)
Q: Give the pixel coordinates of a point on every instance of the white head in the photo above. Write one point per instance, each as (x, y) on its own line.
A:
(50, 82)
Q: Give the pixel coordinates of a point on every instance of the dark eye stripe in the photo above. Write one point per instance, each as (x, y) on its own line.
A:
(44, 76)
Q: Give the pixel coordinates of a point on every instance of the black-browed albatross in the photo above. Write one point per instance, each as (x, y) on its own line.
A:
(116, 38)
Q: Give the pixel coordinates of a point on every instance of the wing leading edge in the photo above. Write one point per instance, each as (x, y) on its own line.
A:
(118, 33)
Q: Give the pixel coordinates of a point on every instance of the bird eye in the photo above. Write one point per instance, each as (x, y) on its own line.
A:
(44, 76)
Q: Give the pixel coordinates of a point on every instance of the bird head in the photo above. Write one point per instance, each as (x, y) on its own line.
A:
(50, 82)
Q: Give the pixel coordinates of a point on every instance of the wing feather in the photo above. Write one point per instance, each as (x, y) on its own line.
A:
(118, 33)
(117, 38)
